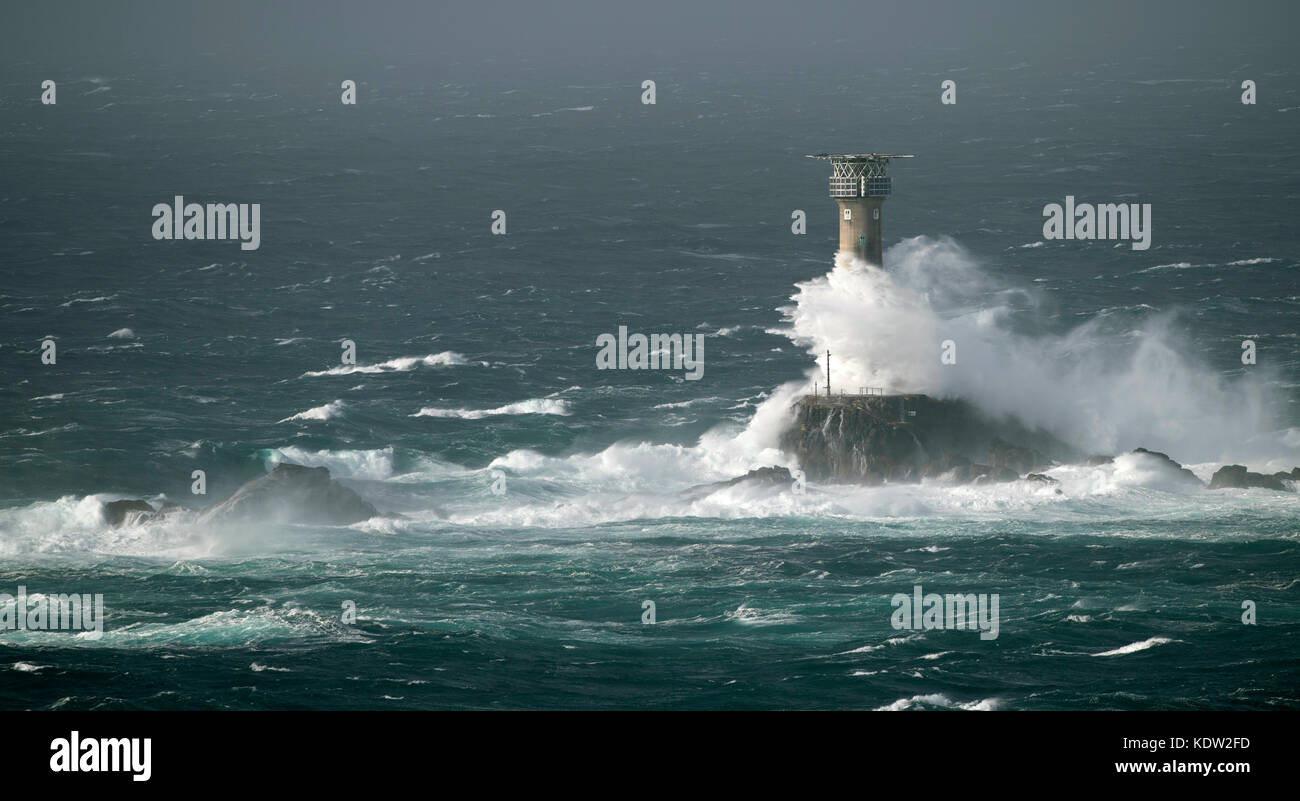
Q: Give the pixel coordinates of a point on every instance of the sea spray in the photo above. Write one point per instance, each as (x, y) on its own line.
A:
(1101, 389)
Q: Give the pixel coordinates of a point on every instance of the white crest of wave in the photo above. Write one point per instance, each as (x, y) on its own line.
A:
(1105, 390)
(399, 365)
(1134, 647)
(657, 467)
(76, 525)
(1100, 388)
(328, 411)
(940, 701)
(531, 406)
(372, 465)
(235, 627)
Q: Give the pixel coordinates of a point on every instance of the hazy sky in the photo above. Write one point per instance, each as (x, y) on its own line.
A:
(609, 34)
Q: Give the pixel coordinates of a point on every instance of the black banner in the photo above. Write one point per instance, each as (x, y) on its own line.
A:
(135, 751)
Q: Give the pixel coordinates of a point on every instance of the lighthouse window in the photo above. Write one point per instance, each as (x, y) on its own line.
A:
(848, 214)
(875, 214)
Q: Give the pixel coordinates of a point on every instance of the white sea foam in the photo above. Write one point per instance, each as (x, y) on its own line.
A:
(532, 406)
(399, 365)
(749, 616)
(641, 480)
(940, 701)
(376, 464)
(1104, 386)
(235, 627)
(866, 649)
(1137, 646)
(1106, 391)
(327, 412)
(372, 464)
(97, 299)
(76, 525)
(1181, 265)
(686, 403)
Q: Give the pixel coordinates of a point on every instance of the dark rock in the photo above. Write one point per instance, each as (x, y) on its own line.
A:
(1163, 460)
(1099, 460)
(1162, 456)
(1235, 476)
(904, 438)
(776, 477)
(764, 476)
(944, 464)
(292, 494)
(1015, 457)
(1042, 479)
(117, 513)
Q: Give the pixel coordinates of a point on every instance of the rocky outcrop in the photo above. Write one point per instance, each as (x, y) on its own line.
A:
(128, 511)
(292, 494)
(1236, 476)
(949, 464)
(1162, 461)
(763, 476)
(905, 438)
(777, 478)
(1016, 457)
(908, 438)
(288, 494)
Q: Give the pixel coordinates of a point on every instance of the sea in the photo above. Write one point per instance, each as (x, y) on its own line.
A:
(542, 542)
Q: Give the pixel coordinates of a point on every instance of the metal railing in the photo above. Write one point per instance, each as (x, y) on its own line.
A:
(819, 391)
(845, 187)
(860, 187)
(879, 187)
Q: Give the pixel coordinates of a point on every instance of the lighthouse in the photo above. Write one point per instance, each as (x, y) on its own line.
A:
(859, 185)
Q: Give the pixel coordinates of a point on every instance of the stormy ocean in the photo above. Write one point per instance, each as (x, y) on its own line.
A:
(532, 503)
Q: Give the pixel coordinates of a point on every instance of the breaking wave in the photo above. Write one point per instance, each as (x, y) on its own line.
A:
(1105, 385)
(1137, 646)
(399, 365)
(327, 412)
(532, 406)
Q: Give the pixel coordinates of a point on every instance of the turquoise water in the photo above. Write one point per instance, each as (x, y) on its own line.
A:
(476, 361)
